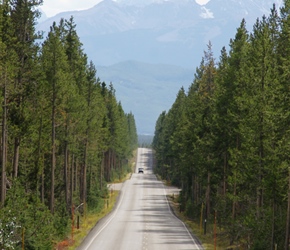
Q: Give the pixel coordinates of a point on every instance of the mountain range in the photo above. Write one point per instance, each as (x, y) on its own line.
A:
(149, 49)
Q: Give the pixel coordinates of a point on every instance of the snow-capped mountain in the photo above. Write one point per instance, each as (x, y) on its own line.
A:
(173, 32)
(120, 28)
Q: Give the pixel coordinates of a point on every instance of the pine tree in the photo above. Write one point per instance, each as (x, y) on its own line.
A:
(283, 56)
(56, 71)
(76, 104)
(23, 19)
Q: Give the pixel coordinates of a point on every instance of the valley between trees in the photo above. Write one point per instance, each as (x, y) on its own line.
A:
(64, 135)
(225, 141)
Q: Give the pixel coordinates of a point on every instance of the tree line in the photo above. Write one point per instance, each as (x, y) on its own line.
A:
(225, 141)
(63, 132)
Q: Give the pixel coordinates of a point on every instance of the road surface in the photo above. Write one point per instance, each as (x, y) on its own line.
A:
(142, 219)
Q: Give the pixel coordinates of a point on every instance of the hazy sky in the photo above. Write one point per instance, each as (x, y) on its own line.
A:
(52, 7)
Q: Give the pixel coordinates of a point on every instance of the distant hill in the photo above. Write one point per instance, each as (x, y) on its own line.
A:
(135, 43)
(146, 89)
(145, 141)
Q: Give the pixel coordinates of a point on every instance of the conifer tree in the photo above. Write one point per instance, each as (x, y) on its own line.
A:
(236, 145)
(77, 62)
(283, 51)
(56, 71)
(236, 84)
(23, 18)
(7, 67)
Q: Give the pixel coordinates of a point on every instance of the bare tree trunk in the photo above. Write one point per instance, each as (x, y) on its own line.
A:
(66, 174)
(76, 174)
(81, 178)
(192, 189)
(273, 223)
(16, 156)
(39, 174)
(260, 177)
(108, 166)
(3, 172)
(84, 181)
(234, 195)
(102, 171)
(42, 185)
(53, 150)
(225, 174)
(196, 189)
(72, 180)
(208, 196)
(235, 183)
(288, 216)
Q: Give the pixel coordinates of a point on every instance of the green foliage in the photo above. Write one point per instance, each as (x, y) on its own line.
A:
(65, 131)
(34, 222)
(225, 141)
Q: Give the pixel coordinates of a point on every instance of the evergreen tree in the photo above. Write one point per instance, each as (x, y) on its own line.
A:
(233, 132)
(55, 67)
(7, 68)
(23, 18)
(283, 56)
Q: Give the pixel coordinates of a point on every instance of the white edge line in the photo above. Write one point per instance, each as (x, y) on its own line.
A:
(190, 235)
(107, 223)
(169, 209)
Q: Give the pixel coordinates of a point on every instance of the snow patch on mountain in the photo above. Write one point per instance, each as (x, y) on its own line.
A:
(148, 2)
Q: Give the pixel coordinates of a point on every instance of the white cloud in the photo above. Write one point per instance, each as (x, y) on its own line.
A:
(202, 2)
(53, 7)
(206, 13)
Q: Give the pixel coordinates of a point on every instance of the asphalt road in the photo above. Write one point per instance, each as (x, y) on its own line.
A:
(142, 219)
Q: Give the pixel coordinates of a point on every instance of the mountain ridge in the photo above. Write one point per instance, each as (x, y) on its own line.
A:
(171, 32)
(150, 93)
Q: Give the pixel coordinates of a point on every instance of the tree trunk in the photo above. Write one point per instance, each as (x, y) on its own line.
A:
(53, 150)
(16, 157)
(260, 177)
(235, 182)
(288, 215)
(76, 173)
(38, 174)
(273, 223)
(102, 171)
(84, 181)
(208, 196)
(72, 180)
(42, 185)
(3, 172)
(192, 189)
(234, 195)
(66, 184)
(225, 174)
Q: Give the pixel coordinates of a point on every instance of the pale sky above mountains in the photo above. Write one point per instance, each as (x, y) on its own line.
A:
(53, 7)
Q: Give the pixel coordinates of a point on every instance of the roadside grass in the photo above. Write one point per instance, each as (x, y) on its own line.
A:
(208, 240)
(87, 222)
(127, 173)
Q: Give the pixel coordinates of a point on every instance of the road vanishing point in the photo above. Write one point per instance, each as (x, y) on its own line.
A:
(142, 218)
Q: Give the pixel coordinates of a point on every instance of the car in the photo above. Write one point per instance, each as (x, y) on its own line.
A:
(140, 170)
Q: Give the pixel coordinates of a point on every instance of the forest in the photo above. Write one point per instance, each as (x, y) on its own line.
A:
(64, 135)
(225, 141)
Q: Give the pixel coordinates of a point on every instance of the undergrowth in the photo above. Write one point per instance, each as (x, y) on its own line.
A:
(208, 240)
(87, 222)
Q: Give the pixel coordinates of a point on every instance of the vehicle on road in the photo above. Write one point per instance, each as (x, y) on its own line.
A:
(140, 170)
